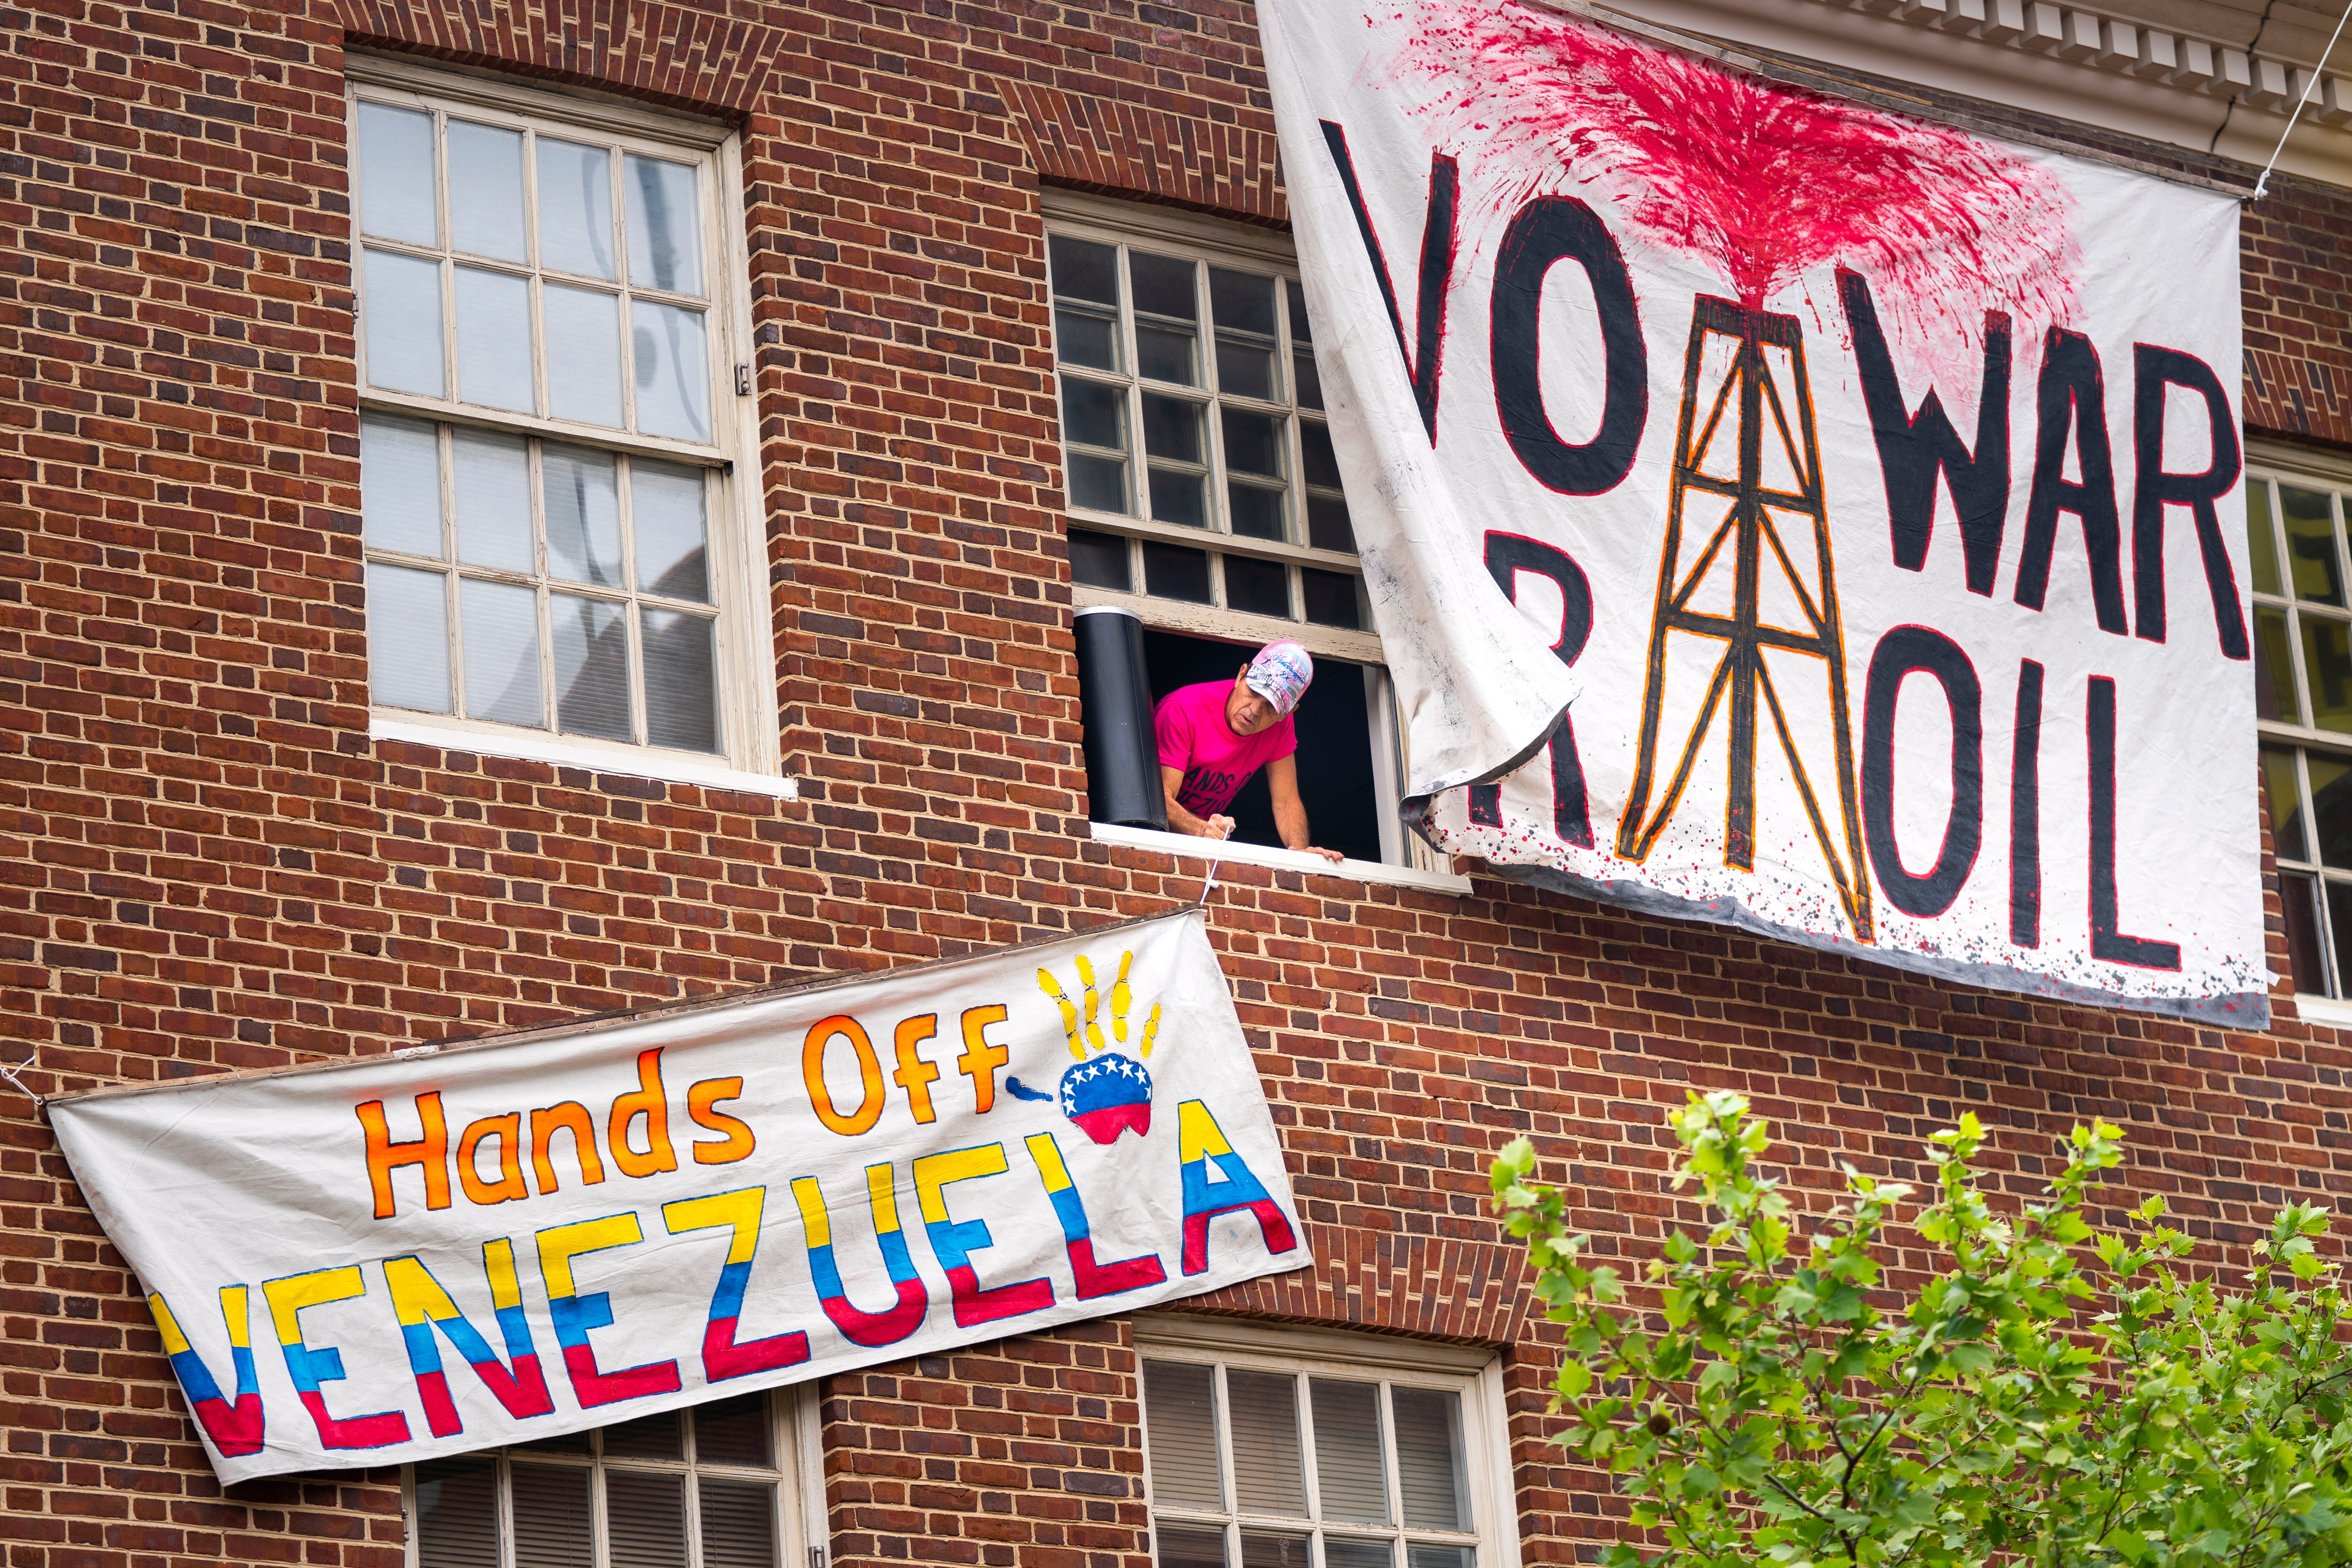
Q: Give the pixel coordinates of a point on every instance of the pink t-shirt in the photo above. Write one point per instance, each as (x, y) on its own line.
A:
(1194, 736)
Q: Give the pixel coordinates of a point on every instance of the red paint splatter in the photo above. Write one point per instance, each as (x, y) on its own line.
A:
(1762, 181)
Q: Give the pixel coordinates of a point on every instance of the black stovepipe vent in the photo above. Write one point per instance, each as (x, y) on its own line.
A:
(1122, 753)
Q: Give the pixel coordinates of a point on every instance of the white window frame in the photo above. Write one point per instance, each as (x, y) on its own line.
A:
(745, 652)
(1405, 860)
(795, 1442)
(2267, 461)
(1474, 1374)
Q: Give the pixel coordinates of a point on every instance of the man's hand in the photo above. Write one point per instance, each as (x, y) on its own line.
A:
(1331, 854)
(1217, 826)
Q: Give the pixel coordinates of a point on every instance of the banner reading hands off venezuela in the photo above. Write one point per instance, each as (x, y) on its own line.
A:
(379, 1262)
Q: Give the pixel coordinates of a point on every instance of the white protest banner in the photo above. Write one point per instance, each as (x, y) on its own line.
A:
(1870, 487)
(369, 1264)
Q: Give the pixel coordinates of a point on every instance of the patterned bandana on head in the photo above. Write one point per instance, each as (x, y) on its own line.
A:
(1281, 673)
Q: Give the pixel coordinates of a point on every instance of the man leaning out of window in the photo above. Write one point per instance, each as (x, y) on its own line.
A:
(1213, 736)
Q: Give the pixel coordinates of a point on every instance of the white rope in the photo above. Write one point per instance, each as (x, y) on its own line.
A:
(2264, 183)
(1210, 881)
(6, 1071)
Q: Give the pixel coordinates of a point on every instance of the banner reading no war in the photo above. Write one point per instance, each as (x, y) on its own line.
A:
(378, 1262)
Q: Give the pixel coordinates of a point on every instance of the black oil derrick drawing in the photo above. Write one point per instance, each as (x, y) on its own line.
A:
(1748, 530)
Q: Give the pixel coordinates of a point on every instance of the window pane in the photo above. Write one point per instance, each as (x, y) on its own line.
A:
(1093, 413)
(1302, 331)
(1340, 1551)
(1180, 498)
(403, 304)
(494, 340)
(1256, 511)
(1173, 571)
(1241, 301)
(1310, 381)
(457, 1513)
(1085, 337)
(673, 372)
(2311, 545)
(486, 190)
(644, 1518)
(500, 623)
(1331, 598)
(665, 510)
(408, 638)
(1262, 588)
(739, 1524)
(583, 515)
(1099, 560)
(1167, 313)
(2327, 669)
(2331, 806)
(1348, 1471)
(592, 668)
(396, 196)
(2298, 901)
(575, 209)
(1266, 1430)
(1243, 307)
(562, 1443)
(584, 355)
(1321, 465)
(400, 485)
(550, 1517)
(1163, 286)
(1328, 525)
(2339, 925)
(1084, 270)
(1171, 428)
(1419, 1556)
(493, 495)
(1180, 1425)
(2285, 792)
(2261, 548)
(1263, 1549)
(661, 1437)
(2274, 668)
(1252, 443)
(1187, 1546)
(1429, 1457)
(1098, 483)
(681, 680)
(732, 1432)
(664, 224)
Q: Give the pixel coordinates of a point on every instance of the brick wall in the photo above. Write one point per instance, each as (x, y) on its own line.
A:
(206, 863)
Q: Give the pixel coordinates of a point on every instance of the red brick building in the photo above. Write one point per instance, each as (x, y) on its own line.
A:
(510, 511)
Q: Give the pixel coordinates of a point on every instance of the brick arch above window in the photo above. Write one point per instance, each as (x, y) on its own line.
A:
(1103, 145)
(1461, 1289)
(644, 49)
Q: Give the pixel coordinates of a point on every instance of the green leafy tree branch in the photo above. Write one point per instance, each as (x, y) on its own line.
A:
(2052, 1393)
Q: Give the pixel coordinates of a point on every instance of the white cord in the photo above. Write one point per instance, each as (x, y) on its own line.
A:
(2263, 183)
(21, 1089)
(1210, 881)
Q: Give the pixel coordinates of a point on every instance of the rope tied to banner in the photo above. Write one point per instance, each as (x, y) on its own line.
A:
(1215, 860)
(2310, 84)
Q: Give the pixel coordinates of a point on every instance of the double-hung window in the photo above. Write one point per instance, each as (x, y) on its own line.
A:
(2302, 633)
(718, 1486)
(551, 309)
(1203, 493)
(1272, 1448)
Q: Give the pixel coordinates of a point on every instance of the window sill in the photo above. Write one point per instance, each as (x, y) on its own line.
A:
(2332, 1010)
(568, 752)
(1183, 846)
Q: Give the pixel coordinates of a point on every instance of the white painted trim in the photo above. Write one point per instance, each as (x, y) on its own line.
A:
(1182, 845)
(496, 89)
(2327, 1010)
(567, 751)
(1120, 219)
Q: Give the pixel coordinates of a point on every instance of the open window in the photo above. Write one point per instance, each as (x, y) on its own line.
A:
(1203, 495)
